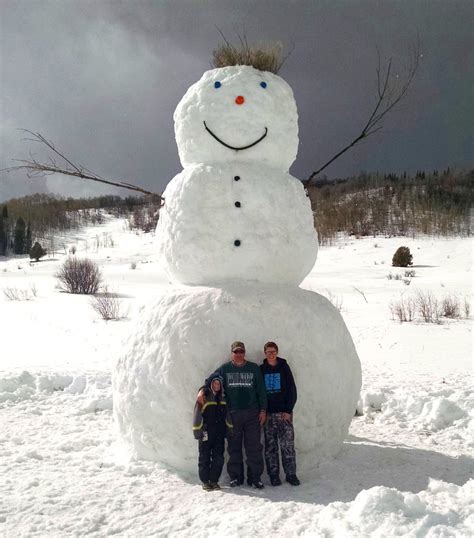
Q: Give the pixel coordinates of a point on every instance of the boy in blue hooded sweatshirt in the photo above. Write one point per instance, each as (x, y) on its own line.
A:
(209, 427)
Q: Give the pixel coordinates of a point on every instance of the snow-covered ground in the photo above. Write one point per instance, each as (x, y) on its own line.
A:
(404, 470)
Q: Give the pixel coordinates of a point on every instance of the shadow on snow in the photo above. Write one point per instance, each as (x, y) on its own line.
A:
(363, 464)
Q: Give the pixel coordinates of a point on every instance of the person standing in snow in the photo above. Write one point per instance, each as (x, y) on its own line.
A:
(209, 427)
(278, 429)
(247, 401)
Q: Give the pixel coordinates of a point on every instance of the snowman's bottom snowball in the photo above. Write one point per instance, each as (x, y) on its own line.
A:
(186, 335)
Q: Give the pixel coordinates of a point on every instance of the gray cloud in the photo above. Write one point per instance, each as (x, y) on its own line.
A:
(102, 80)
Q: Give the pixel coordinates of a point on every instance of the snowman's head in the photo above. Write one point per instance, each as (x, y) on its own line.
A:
(237, 113)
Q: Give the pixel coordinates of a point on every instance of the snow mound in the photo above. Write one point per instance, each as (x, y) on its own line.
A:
(77, 385)
(26, 385)
(186, 335)
(448, 412)
(97, 404)
(442, 509)
(440, 413)
(95, 390)
(430, 411)
(370, 401)
(17, 388)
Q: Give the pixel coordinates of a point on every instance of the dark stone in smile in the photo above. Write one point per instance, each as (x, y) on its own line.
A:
(235, 147)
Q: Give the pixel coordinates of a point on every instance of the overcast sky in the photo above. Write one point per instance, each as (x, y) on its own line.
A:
(102, 78)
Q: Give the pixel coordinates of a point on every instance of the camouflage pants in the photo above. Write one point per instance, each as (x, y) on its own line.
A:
(279, 432)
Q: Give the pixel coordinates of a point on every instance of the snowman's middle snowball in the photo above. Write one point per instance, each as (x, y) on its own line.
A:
(214, 228)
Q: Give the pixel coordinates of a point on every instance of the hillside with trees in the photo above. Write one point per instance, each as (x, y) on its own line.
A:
(437, 203)
(40, 217)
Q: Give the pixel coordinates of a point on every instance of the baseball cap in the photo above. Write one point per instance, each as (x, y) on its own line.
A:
(237, 345)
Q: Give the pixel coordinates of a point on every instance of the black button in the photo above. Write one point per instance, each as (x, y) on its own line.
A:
(237, 204)
(237, 242)
(236, 178)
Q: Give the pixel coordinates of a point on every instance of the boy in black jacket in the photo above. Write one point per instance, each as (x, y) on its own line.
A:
(278, 429)
(209, 427)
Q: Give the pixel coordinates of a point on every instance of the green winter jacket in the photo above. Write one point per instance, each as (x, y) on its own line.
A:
(243, 386)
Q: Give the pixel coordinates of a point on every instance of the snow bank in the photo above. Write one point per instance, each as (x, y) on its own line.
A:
(441, 510)
(95, 389)
(449, 411)
(25, 385)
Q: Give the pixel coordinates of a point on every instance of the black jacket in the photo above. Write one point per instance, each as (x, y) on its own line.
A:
(212, 417)
(280, 386)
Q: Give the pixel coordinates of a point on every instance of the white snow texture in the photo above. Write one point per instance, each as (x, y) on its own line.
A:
(200, 223)
(236, 222)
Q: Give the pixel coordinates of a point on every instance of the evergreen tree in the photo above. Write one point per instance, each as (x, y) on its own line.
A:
(37, 252)
(28, 240)
(19, 237)
(5, 229)
(3, 239)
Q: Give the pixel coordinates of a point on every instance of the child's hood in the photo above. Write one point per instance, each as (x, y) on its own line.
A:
(213, 378)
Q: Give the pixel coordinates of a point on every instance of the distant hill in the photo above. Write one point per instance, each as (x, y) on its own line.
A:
(436, 203)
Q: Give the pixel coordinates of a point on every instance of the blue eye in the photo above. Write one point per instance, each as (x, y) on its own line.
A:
(217, 84)
(263, 84)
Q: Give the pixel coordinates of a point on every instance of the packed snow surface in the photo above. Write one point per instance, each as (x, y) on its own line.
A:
(403, 470)
(185, 336)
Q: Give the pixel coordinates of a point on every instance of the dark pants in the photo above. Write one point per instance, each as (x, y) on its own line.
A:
(279, 432)
(211, 459)
(246, 429)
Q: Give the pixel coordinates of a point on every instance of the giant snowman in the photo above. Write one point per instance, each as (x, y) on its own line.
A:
(236, 236)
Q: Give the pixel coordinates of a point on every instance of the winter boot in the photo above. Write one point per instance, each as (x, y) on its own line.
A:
(293, 480)
(275, 481)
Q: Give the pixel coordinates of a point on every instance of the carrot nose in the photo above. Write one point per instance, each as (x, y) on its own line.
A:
(239, 100)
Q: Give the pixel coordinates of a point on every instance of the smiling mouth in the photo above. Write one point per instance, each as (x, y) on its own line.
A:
(237, 148)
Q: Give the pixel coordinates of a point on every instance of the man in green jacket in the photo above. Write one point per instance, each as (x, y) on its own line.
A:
(247, 402)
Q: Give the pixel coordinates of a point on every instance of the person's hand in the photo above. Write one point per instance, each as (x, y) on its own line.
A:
(201, 398)
(262, 417)
(286, 416)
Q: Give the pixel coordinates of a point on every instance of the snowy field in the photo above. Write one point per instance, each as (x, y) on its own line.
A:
(404, 470)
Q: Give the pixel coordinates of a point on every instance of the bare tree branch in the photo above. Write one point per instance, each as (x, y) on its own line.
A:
(362, 293)
(34, 168)
(389, 94)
